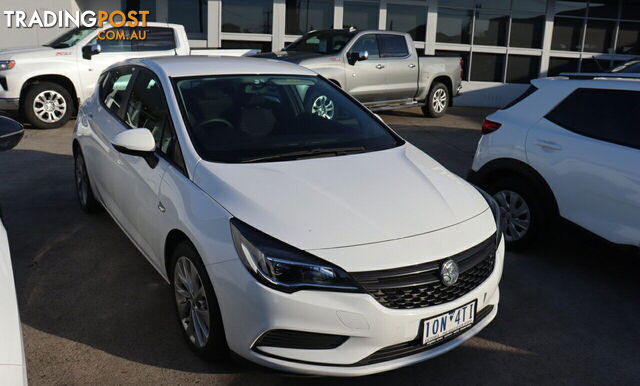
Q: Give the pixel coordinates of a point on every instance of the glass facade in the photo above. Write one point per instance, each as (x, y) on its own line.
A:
(502, 41)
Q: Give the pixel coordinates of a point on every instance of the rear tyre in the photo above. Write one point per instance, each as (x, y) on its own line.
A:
(437, 101)
(197, 307)
(525, 211)
(47, 105)
(87, 200)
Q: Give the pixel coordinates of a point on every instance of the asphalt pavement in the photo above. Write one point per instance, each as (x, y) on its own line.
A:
(95, 312)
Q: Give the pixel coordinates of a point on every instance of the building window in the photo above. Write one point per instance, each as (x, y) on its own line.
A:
(360, 15)
(491, 28)
(559, 65)
(454, 26)
(487, 67)
(190, 13)
(141, 5)
(247, 16)
(599, 36)
(308, 15)
(411, 19)
(521, 69)
(242, 44)
(567, 34)
(526, 30)
(628, 39)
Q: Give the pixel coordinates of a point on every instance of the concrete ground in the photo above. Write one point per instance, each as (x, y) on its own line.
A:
(94, 311)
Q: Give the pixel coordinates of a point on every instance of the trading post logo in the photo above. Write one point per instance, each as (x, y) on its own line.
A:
(84, 19)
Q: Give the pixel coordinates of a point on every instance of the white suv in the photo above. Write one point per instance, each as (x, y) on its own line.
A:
(567, 147)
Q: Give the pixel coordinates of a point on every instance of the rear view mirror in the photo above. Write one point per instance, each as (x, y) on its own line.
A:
(357, 56)
(11, 133)
(91, 49)
(137, 142)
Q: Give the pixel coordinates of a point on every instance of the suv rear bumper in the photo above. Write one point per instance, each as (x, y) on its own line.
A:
(9, 104)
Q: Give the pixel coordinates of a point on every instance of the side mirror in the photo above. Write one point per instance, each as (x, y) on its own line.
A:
(357, 56)
(137, 142)
(11, 133)
(91, 49)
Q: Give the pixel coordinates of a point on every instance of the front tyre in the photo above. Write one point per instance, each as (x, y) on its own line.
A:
(437, 101)
(196, 304)
(47, 105)
(87, 200)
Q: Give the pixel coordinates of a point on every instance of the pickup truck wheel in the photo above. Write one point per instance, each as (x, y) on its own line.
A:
(437, 101)
(47, 105)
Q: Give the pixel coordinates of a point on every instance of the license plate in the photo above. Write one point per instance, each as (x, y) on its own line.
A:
(439, 327)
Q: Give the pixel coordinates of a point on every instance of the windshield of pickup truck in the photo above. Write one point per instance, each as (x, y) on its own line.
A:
(322, 42)
(70, 38)
(261, 118)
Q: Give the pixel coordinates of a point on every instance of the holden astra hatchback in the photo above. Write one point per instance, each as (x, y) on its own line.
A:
(295, 228)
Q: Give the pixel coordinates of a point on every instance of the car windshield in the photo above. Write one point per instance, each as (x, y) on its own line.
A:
(70, 38)
(322, 42)
(261, 118)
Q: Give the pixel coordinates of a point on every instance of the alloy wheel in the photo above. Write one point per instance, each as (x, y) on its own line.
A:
(439, 100)
(516, 214)
(49, 106)
(323, 107)
(191, 299)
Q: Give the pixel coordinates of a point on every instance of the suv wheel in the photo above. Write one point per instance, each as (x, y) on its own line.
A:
(523, 209)
(437, 101)
(47, 105)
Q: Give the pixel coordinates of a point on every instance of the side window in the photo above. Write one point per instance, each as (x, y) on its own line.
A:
(614, 120)
(113, 88)
(393, 46)
(148, 109)
(157, 39)
(367, 43)
(121, 44)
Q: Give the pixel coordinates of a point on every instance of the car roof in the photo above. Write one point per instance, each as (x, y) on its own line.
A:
(181, 66)
(598, 81)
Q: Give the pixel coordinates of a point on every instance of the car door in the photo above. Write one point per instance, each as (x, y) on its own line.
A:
(588, 150)
(401, 66)
(365, 79)
(103, 116)
(140, 180)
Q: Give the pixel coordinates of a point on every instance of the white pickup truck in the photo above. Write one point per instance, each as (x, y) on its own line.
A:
(47, 84)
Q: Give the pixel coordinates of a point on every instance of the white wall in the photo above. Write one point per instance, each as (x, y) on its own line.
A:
(21, 37)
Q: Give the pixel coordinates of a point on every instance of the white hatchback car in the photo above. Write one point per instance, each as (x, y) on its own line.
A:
(567, 147)
(295, 227)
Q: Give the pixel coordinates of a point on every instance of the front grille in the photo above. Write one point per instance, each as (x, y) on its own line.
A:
(415, 346)
(300, 340)
(419, 285)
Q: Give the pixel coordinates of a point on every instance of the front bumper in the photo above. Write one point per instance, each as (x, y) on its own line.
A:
(250, 309)
(9, 104)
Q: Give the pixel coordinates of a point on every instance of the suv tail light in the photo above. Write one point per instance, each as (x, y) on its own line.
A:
(489, 126)
(462, 69)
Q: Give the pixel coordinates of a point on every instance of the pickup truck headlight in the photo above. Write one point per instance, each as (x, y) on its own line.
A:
(285, 268)
(497, 214)
(7, 64)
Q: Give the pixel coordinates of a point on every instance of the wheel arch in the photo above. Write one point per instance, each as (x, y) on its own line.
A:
(53, 78)
(504, 167)
(173, 239)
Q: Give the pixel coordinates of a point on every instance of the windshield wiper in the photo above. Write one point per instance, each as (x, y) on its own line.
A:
(309, 154)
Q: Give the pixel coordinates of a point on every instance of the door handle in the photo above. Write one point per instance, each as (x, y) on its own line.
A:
(161, 207)
(412, 65)
(380, 66)
(548, 145)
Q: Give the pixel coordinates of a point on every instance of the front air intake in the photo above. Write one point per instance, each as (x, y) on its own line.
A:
(300, 339)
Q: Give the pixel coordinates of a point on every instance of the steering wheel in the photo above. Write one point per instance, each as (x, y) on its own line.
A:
(213, 120)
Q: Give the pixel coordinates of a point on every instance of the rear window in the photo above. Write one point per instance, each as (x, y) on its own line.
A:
(392, 46)
(522, 97)
(157, 39)
(606, 115)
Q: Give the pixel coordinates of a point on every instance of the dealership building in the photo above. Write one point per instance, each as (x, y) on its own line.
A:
(504, 43)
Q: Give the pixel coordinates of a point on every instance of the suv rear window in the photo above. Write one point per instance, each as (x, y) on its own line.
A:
(522, 97)
(607, 115)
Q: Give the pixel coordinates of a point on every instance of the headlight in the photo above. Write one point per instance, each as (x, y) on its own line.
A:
(7, 64)
(284, 267)
(497, 214)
